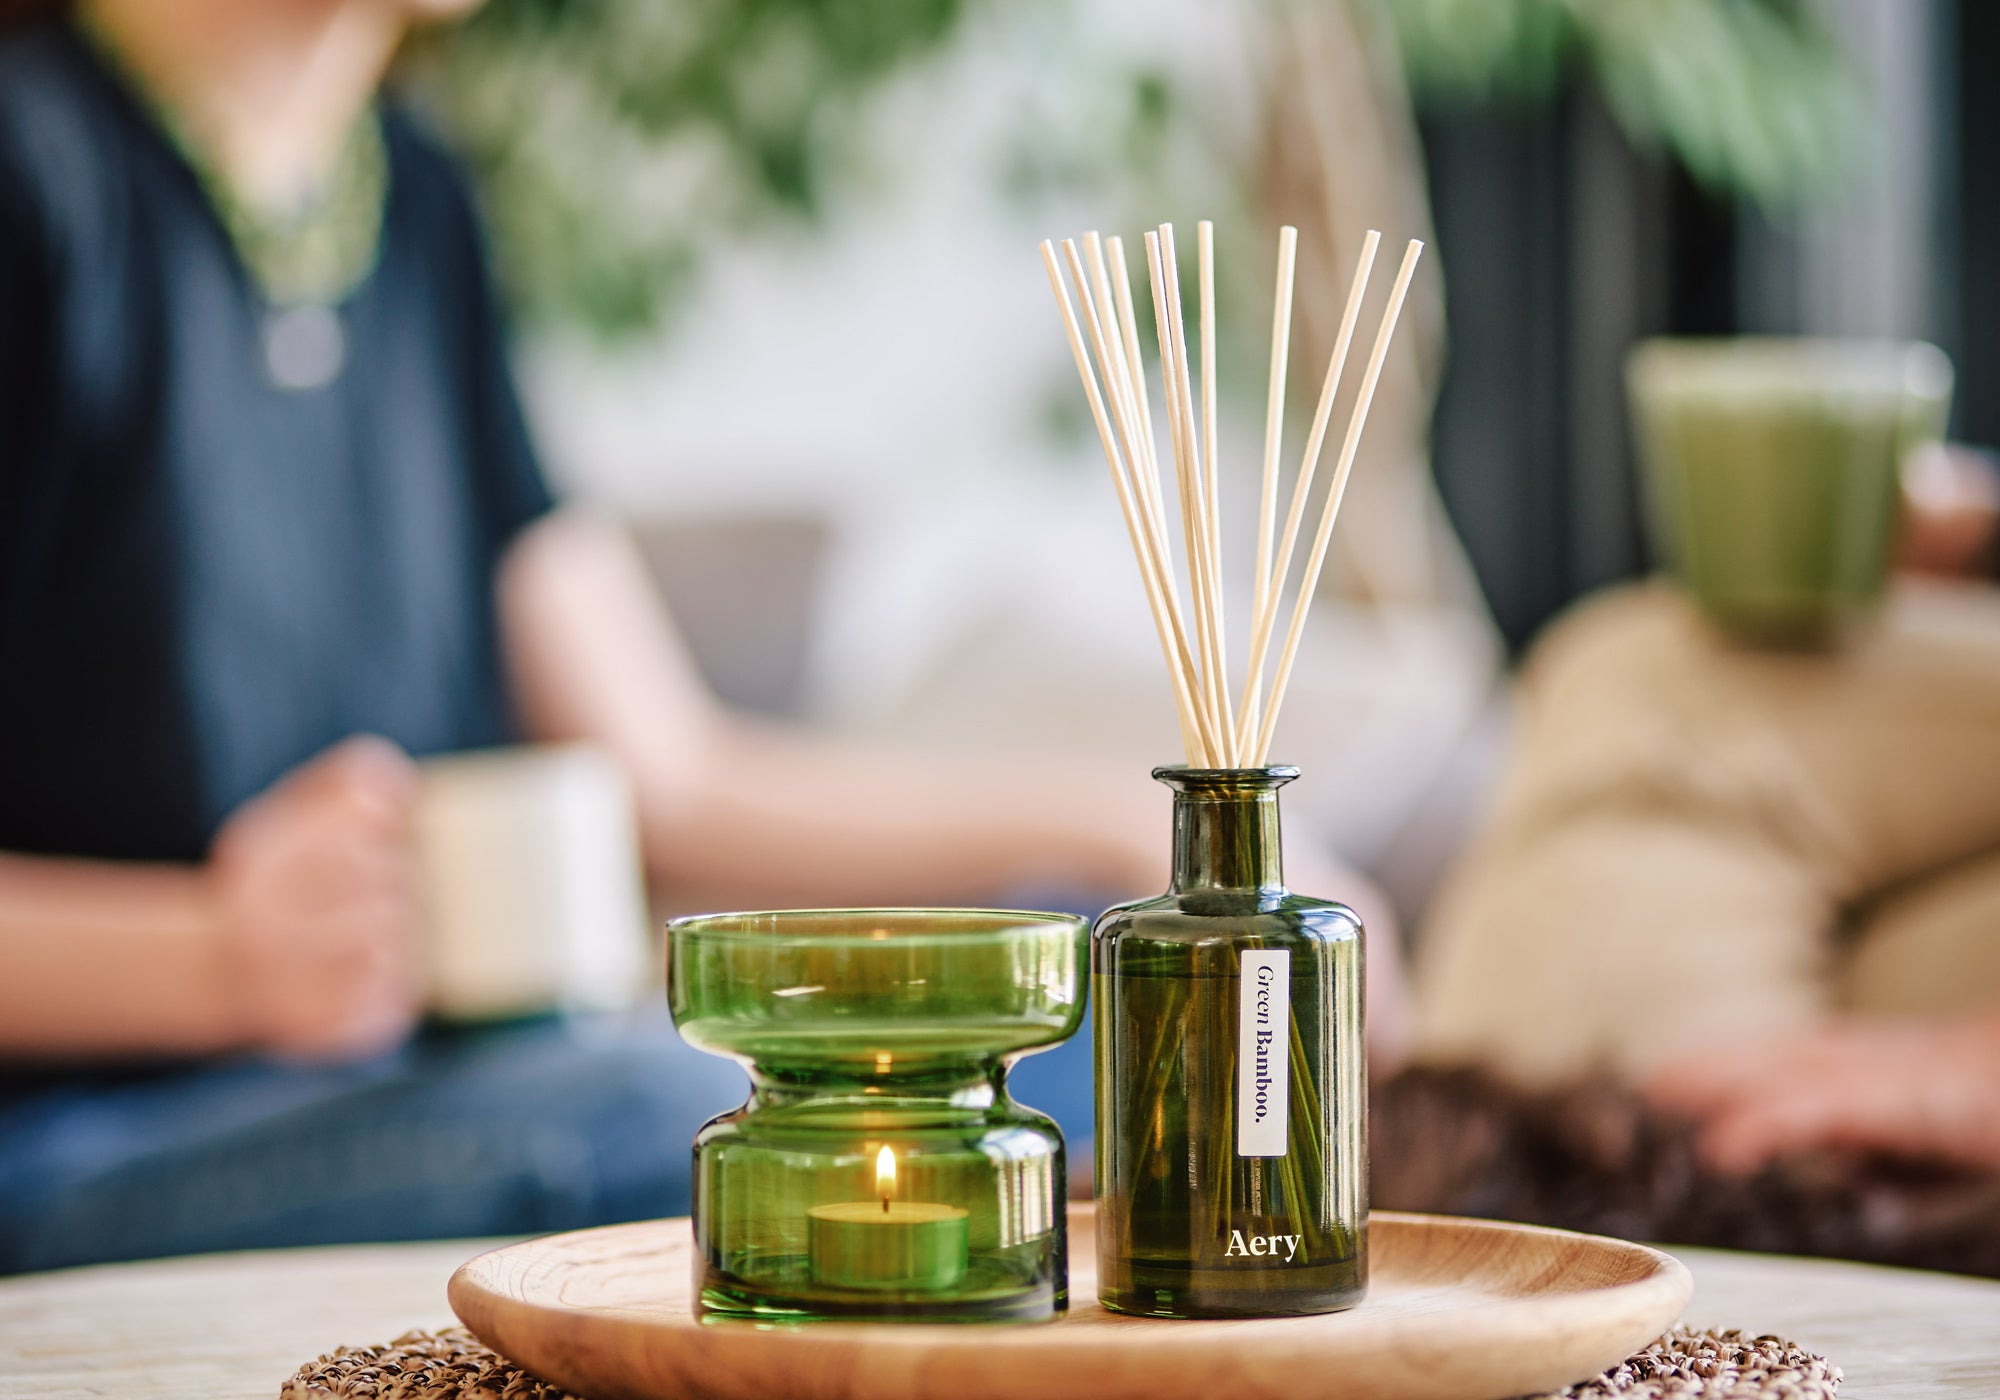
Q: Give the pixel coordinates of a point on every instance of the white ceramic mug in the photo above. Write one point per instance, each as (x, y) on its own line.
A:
(528, 866)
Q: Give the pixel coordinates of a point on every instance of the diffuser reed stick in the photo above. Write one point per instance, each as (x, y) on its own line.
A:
(1165, 610)
(1308, 465)
(1274, 434)
(1218, 730)
(1310, 584)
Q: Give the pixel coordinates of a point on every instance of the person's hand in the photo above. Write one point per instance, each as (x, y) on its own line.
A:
(1914, 1089)
(1951, 511)
(316, 906)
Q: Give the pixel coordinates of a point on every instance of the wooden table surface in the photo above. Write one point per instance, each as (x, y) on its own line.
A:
(230, 1326)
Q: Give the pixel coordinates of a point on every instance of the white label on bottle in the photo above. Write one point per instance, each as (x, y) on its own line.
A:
(1263, 1040)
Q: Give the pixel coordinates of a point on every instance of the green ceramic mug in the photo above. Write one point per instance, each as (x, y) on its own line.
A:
(1771, 470)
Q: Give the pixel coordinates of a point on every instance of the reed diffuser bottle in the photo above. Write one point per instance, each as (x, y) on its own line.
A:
(1232, 1161)
(1232, 1176)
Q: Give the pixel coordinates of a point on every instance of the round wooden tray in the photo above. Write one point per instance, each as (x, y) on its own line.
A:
(1456, 1310)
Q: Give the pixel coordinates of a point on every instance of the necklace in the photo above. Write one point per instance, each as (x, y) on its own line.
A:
(319, 248)
(303, 257)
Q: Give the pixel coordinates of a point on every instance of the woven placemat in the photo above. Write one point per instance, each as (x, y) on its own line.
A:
(1683, 1365)
(1730, 1365)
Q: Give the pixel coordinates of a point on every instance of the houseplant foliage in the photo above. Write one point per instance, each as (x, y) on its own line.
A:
(1754, 97)
(615, 139)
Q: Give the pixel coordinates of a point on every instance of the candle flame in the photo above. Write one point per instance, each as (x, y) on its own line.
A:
(885, 1175)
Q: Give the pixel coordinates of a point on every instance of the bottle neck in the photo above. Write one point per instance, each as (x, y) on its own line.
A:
(953, 1083)
(1226, 832)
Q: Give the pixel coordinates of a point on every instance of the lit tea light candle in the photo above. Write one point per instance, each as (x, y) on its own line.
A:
(886, 1243)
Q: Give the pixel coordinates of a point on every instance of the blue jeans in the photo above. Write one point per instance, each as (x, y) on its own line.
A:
(519, 1129)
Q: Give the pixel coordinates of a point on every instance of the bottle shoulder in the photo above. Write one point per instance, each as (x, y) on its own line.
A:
(1221, 916)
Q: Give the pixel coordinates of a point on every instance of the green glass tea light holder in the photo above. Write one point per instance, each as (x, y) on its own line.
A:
(879, 1169)
(1232, 1102)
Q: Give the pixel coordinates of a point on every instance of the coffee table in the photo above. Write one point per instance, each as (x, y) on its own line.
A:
(224, 1327)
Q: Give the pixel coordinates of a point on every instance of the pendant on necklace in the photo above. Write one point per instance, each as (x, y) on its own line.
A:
(305, 347)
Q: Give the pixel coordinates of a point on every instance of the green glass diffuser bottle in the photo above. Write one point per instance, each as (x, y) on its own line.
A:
(879, 1168)
(1231, 1084)
(1231, 1089)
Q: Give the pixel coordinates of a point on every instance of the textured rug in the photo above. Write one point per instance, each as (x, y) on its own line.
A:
(1594, 1157)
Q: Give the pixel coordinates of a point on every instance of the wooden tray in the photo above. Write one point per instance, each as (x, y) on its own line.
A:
(1456, 1310)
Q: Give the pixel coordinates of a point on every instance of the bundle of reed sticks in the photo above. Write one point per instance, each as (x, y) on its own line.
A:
(1220, 728)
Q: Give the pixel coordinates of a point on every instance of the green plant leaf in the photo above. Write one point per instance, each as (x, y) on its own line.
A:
(1754, 97)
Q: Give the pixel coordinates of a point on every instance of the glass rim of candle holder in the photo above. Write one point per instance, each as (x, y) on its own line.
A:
(873, 922)
(879, 1039)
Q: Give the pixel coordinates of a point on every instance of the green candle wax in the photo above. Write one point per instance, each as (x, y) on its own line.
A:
(905, 1245)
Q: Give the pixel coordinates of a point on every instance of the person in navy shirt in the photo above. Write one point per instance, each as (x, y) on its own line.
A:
(270, 525)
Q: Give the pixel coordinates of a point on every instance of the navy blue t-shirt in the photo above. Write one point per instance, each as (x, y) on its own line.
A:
(207, 578)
